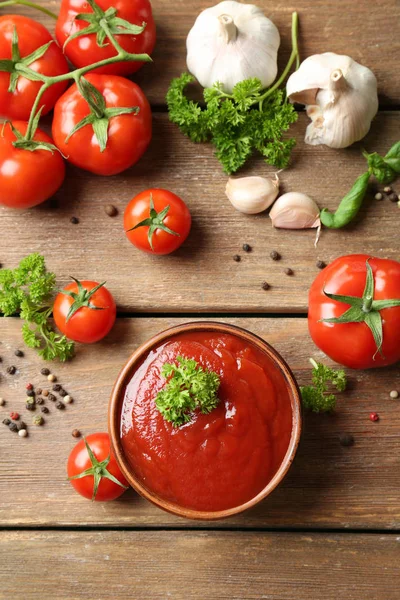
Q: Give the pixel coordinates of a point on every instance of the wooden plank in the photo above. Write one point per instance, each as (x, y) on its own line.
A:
(202, 276)
(328, 486)
(368, 32)
(201, 566)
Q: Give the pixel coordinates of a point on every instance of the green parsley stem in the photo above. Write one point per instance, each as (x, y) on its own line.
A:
(293, 57)
(44, 10)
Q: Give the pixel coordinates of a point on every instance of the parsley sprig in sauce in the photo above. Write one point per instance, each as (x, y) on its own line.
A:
(189, 387)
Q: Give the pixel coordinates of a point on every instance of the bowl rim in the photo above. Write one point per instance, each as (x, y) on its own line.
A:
(117, 396)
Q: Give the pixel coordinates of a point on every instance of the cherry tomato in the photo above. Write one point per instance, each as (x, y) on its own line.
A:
(84, 50)
(27, 178)
(84, 311)
(31, 35)
(99, 484)
(128, 134)
(157, 221)
(352, 344)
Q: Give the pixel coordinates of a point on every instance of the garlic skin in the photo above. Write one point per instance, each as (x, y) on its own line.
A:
(252, 195)
(230, 42)
(295, 211)
(340, 95)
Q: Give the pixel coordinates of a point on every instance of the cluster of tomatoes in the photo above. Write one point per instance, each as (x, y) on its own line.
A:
(28, 177)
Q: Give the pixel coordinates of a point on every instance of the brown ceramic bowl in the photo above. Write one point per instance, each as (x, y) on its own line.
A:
(117, 398)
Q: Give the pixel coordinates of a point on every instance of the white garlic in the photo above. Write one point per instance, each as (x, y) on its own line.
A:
(252, 195)
(230, 42)
(295, 211)
(340, 96)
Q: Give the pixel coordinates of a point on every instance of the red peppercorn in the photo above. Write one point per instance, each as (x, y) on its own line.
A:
(29, 386)
(374, 417)
(14, 416)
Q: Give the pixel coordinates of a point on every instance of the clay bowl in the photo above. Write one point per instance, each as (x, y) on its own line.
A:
(117, 397)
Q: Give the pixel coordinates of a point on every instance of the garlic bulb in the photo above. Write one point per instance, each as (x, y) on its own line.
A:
(230, 42)
(295, 211)
(340, 96)
(252, 195)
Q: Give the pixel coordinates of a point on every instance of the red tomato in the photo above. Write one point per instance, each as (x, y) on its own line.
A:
(79, 461)
(352, 344)
(31, 35)
(128, 135)
(157, 221)
(84, 50)
(83, 313)
(27, 178)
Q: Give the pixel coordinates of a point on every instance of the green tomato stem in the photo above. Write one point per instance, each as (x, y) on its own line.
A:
(122, 56)
(42, 9)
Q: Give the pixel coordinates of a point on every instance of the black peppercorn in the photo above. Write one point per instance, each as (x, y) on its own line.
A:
(236, 258)
(289, 271)
(60, 405)
(30, 407)
(13, 427)
(11, 370)
(52, 397)
(74, 220)
(56, 387)
(275, 255)
(346, 439)
(40, 401)
(393, 197)
(21, 425)
(246, 248)
(320, 264)
(63, 393)
(76, 433)
(19, 353)
(45, 410)
(6, 421)
(30, 393)
(39, 391)
(111, 210)
(45, 371)
(265, 285)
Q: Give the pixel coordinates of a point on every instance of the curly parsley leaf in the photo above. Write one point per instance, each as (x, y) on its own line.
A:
(236, 124)
(317, 397)
(189, 387)
(27, 291)
(385, 168)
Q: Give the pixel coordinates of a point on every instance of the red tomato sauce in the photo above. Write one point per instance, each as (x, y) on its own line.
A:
(219, 460)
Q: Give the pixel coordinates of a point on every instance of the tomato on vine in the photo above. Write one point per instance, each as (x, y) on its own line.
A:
(354, 311)
(83, 26)
(84, 311)
(28, 43)
(93, 470)
(103, 125)
(31, 168)
(157, 221)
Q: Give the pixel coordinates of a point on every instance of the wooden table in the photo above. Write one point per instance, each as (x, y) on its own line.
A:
(331, 530)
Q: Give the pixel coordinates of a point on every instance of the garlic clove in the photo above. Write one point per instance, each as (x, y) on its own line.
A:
(230, 42)
(295, 211)
(252, 195)
(340, 97)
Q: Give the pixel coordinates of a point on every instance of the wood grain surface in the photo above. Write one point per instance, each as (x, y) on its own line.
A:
(328, 485)
(364, 30)
(201, 275)
(198, 566)
(142, 552)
